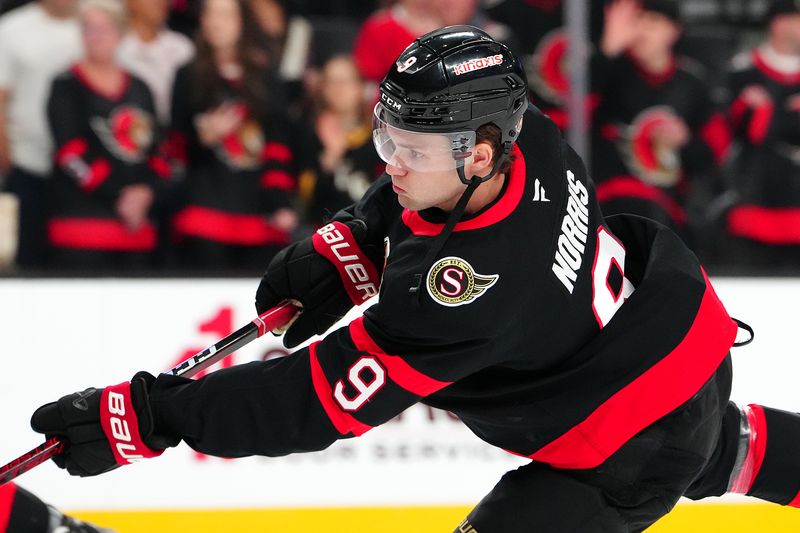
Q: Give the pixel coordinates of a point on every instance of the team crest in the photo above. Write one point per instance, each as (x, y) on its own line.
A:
(653, 162)
(453, 282)
(548, 67)
(243, 148)
(128, 133)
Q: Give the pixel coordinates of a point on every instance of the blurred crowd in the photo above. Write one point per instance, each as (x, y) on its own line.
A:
(201, 136)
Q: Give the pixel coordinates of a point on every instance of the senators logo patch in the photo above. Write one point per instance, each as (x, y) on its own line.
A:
(127, 133)
(452, 282)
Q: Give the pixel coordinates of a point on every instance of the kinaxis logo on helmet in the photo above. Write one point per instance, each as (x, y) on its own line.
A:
(477, 64)
(453, 282)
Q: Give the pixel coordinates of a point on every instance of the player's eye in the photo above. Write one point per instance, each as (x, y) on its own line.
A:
(415, 154)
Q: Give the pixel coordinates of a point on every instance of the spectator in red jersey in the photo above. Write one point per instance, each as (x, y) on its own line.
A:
(105, 180)
(387, 33)
(344, 163)
(764, 112)
(234, 143)
(656, 125)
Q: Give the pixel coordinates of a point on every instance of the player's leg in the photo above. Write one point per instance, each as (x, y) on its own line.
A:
(756, 455)
(536, 497)
(630, 491)
(22, 512)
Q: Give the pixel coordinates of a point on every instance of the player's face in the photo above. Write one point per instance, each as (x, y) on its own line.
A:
(101, 35)
(417, 188)
(221, 23)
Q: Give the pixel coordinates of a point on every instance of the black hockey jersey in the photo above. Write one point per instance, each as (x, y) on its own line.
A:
(231, 187)
(550, 333)
(104, 143)
(767, 165)
(633, 172)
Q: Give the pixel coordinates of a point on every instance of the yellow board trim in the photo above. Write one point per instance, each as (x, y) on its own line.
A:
(698, 518)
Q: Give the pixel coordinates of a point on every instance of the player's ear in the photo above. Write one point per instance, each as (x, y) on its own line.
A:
(482, 158)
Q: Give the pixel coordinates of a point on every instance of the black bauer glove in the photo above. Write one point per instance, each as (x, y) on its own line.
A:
(328, 273)
(103, 428)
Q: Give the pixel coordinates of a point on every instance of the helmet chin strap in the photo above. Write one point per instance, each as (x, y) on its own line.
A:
(455, 215)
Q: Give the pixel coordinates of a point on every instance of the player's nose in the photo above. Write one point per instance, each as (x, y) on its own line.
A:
(393, 168)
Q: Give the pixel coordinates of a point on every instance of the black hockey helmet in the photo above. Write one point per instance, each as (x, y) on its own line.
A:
(448, 83)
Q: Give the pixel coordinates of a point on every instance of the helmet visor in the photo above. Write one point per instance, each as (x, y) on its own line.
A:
(422, 152)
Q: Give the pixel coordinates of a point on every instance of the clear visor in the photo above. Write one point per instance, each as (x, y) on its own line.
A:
(422, 152)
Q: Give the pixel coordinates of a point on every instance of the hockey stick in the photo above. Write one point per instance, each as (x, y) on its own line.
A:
(267, 321)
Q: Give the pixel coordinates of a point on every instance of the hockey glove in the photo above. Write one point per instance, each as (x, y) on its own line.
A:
(328, 273)
(104, 428)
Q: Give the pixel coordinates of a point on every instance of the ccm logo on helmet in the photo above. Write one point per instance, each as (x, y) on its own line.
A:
(477, 64)
(344, 253)
(120, 431)
(388, 100)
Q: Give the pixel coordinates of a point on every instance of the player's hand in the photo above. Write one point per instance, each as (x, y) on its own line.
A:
(327, 287)
(621, 26)
(103, 428)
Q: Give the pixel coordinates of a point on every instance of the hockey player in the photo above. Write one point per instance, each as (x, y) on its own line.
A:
(764, 112)
(596, 348)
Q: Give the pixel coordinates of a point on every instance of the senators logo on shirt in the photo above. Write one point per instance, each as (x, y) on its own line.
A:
(549, 75)
(127, 133)
(452, 282)
(651, 160)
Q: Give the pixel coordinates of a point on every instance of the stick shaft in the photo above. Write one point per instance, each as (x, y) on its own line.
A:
(267, 321)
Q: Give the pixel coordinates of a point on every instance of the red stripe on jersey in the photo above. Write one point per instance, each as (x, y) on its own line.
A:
(276, 152)
(630, 187)
(771, 225)
(400, 372)
(100, 234)
(502, 209)
(660, 390)
(717, 136)
(794, 503)
(160, 166)
(71, 149)
(342, 421)
(783, 78)
(228, 228)
(277, 179)
(759, 124)
(7, 493)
